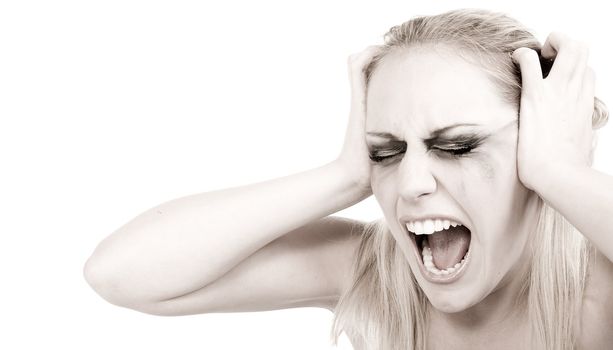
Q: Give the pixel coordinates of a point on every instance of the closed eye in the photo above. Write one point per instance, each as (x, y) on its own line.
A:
(379, 153)
(458, 146)
(380, 156)
(455, 151)
(455, 148)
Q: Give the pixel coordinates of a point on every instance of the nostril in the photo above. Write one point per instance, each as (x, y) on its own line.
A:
(418, 194)
(418, 184)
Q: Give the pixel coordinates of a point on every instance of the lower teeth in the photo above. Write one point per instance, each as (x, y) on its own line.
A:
(429, 264)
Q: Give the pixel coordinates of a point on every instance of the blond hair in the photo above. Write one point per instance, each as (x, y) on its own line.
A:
(385, 307)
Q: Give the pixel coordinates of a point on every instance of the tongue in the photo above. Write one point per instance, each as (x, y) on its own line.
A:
(449, 246)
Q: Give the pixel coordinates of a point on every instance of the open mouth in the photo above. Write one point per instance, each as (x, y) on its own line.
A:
(442, 247)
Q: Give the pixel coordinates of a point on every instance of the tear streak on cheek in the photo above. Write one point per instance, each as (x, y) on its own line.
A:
(486, 169)
(481, 166)
(474, 174)
(478, 168)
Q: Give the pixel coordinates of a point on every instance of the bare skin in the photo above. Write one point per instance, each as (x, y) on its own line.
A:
(190, 256)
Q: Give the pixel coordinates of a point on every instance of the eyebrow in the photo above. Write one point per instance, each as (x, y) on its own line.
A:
(433, 135)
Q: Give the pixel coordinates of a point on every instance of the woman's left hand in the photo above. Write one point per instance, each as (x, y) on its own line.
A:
(555, 119)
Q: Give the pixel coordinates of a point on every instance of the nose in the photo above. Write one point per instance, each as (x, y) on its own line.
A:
(416, 178)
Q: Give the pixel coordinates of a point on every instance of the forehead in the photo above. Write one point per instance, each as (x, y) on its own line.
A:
(426, 88)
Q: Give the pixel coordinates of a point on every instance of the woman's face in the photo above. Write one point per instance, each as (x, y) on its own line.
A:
(453, 158)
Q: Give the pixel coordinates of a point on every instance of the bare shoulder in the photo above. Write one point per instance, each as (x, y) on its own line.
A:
(597, 307)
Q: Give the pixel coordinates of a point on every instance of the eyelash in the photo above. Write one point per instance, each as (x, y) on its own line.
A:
(453, 152)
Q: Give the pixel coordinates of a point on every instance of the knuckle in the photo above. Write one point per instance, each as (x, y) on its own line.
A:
(359, 61)
(524, 53)
(552, 36)
(529, 52)
(519, 53)
(557, 35)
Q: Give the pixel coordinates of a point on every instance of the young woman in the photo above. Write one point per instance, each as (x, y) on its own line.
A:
(476, 142)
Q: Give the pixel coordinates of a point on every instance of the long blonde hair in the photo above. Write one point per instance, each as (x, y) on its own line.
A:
(385, 307)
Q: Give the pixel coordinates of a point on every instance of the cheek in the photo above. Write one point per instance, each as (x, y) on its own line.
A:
(497, 206)
(383, 180)
(384, 190)
(483, 167)
(486, 169)
(487, 190)
(470, 180)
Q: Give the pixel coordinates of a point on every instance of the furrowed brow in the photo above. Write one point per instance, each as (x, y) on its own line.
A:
(384, 135)
(438, 136)
(438, 132)
(433, 135)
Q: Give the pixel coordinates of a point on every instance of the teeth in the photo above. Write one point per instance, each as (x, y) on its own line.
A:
(438, 225)
(429, 264)
(411, 226)
(429, 226)
(419, 227)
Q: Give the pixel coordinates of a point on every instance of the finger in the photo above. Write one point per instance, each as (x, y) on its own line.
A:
(552, 44)
(360, 59)
(530, 67)
(588, 85)
(570, 56)
(356, 65)
(581, 67)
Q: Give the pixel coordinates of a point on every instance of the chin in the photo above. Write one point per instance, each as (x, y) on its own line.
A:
(451, 301)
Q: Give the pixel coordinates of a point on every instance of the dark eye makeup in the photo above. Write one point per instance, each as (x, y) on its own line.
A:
(455, 147)
(377, 153)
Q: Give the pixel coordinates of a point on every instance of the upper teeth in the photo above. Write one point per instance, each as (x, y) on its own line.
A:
(429, 226)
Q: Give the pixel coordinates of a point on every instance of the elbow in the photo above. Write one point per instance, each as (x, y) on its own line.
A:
(104, 273)
(108, 286)
(102, 282)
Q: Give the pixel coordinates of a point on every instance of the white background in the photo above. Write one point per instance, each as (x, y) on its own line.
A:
(110, 107)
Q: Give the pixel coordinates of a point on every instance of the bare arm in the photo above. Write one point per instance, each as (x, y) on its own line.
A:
(243, 248)
(558, 115)
(307, 267)
(183, 245)
(585, 197)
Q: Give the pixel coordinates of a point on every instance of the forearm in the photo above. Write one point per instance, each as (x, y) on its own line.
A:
(184, 244)
(584, 196)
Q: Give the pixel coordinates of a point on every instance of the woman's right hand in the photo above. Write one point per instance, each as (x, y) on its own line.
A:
(354, 157)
